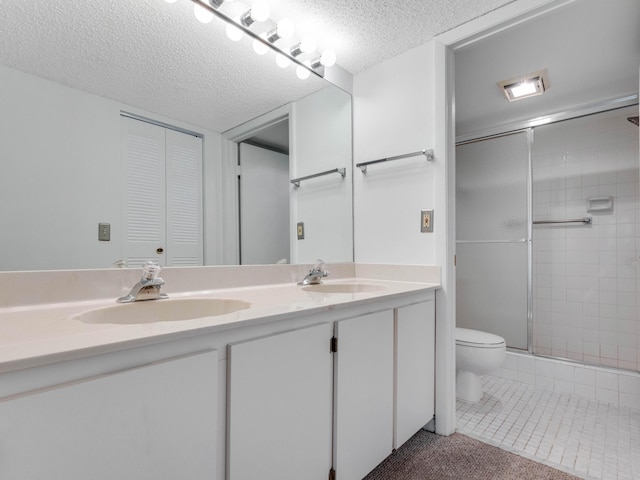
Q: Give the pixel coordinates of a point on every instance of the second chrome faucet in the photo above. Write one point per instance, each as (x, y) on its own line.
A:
(315, 275)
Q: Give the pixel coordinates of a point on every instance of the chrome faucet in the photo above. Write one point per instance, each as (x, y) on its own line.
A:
(148, 288)
(314, 277)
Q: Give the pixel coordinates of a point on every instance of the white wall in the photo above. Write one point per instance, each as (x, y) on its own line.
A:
(320, 133)
(393, 115)
(61, 175)
(406, 104)
(402, 106)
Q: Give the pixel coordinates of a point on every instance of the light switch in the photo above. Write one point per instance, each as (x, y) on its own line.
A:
(300, 230)
(104, 232)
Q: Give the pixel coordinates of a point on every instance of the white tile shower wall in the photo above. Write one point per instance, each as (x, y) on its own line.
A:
(586, 277)
(613, 386)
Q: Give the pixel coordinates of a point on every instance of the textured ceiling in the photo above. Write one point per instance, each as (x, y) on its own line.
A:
(157, 57)
(366, 32)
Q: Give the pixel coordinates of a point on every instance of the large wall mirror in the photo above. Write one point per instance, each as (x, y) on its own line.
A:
(70, 72)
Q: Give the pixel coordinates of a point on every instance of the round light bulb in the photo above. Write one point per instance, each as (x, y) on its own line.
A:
(233, 32)
(302, 72)
(328, 58)
(282, 60)
(307, 45)
(259, 47)
(286, 28)
(260, 11)
(202, 14)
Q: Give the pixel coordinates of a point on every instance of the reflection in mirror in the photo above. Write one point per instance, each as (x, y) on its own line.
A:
(309, 137)
(67, 178)
(264, 201)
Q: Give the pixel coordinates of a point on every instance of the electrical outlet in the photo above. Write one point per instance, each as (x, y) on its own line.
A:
(426, 221)
(300, 230)
(104, 232)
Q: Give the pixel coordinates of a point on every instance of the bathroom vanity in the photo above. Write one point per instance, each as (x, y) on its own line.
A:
(250, 377)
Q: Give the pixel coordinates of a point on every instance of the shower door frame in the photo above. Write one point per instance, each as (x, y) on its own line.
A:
(528, 131)
(529, 127)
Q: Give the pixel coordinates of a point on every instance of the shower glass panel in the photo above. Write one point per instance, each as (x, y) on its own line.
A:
(493, 236)
(586, 276)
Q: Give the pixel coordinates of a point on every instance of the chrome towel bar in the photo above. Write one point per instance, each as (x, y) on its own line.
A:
(341, 171)
(585, 220)
(427, 153)
(466, 242)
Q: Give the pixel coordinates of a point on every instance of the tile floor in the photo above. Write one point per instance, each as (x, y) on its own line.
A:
(588, 438)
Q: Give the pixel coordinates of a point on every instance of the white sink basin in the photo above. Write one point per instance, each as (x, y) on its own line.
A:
(161, 310)
(343, 288)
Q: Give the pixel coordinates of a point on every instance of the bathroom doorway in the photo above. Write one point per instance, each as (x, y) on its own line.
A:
(264, 196)
(478, 58)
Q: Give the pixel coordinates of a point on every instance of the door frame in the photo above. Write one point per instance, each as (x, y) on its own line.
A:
(230, 172)
(444, 48)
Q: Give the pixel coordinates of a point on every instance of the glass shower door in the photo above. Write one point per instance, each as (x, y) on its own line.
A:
(493, 236)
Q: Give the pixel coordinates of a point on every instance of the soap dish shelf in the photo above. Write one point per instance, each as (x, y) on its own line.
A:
(600, 204)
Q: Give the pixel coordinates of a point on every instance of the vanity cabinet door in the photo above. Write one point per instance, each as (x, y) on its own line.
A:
(363, 413)
(156, 422)
(279, 406)
(415, 369)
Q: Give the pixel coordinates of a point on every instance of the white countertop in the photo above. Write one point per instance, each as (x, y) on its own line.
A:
(32, 335)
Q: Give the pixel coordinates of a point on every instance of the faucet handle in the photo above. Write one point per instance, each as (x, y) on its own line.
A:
(319, 269)
(319, 266)
(150, 270)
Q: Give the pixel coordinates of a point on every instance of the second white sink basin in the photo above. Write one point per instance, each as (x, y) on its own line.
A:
(170, 310)
(343, 288)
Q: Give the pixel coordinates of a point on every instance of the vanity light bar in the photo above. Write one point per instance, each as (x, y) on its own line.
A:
(316, 66)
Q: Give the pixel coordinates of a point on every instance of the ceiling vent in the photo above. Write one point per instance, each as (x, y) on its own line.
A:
(525, 86)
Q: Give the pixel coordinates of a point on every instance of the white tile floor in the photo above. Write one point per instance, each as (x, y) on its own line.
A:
(584, 437)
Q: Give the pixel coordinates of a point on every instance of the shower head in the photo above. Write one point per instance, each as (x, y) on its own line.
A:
(634, 120)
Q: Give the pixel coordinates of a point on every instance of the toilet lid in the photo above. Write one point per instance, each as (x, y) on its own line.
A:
(476, 338)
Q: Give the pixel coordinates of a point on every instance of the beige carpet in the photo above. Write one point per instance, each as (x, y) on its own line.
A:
(427, 456)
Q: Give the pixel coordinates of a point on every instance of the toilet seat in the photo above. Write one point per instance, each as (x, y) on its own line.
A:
(475, 338)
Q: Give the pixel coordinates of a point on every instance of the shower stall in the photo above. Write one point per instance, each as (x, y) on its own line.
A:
(548, 238)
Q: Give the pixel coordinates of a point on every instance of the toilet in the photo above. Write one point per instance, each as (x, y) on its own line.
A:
(477, 353)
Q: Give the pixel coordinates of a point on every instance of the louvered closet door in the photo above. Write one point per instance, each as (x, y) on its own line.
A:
(184, 199)
(163, 195)
(145, 218)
